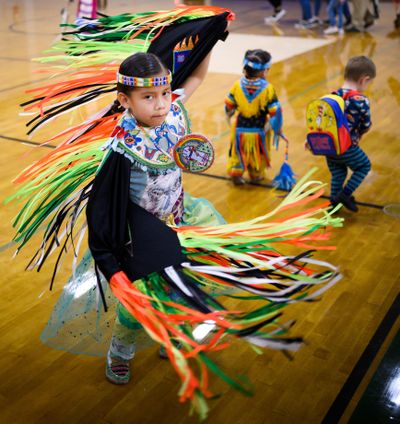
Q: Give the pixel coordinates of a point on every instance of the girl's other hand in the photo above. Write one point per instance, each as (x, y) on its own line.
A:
(120, 280)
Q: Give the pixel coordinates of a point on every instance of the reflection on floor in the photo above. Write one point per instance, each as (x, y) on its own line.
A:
(228, 56)
(381, 401)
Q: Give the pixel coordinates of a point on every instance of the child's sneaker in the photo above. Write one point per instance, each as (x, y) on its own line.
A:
(331, 30)
(347, 201)
(269, 20)
(162, 353)
(117, 370)
(238, 180)
(341, 31)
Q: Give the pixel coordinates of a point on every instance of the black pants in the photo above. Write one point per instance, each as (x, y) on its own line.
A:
(277, 5)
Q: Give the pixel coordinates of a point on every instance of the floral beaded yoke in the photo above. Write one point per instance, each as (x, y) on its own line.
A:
(150, 149)
(155, 179)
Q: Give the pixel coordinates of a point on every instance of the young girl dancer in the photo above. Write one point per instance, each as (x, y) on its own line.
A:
(165, 273)
(143, 139)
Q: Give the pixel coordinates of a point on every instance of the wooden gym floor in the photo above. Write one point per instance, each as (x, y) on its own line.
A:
(347, 332)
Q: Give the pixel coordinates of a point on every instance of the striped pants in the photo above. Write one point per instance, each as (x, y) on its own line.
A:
(355, 159)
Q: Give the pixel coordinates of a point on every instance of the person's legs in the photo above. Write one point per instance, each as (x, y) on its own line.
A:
(122, 347)
(332, 8)
(276, 4)
(375, 7)
(122, 342)
(257, 174)
(308, 21)
(360, 164)
(397, 13)
(278, 12)
(396, 22)
(306, 9)
(317, 7)
(359, 9)
(315, 19)
(346, 12)
(258, 156)
(339, 9)
(236, 166)
(338, 175)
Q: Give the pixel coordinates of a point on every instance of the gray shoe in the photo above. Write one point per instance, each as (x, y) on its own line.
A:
(117, 370)
(238, 180)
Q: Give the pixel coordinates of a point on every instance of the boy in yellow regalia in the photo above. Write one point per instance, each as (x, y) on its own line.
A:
(256, 102)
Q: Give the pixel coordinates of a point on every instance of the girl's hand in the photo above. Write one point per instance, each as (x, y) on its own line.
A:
(121, 280)
(307, 146)
(228, 115)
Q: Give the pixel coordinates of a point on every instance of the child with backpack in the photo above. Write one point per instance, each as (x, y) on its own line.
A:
(336, 124)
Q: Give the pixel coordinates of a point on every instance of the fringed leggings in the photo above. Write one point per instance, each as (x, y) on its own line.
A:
(127, 332)
(249, 152)
(123, 336)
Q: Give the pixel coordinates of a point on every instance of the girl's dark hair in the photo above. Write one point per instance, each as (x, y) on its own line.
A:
(142, 65)
(257, 56)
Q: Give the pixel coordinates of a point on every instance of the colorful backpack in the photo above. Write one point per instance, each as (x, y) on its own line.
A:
(327, 129)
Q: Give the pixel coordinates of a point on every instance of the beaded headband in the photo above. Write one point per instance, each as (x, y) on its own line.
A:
(144, 82)
(257, 66)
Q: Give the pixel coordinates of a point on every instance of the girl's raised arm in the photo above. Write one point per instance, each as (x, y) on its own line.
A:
(196, 78)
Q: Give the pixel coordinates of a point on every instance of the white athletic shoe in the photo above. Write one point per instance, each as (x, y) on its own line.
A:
(331, 30)
(269, 20)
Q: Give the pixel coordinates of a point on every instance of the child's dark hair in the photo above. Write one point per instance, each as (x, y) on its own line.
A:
(358, 67)
(258, 56)
(142, 65)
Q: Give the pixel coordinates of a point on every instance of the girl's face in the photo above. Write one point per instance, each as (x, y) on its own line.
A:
(149, 105)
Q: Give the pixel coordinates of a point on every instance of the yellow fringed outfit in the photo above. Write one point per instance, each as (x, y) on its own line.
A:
(254, 100)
